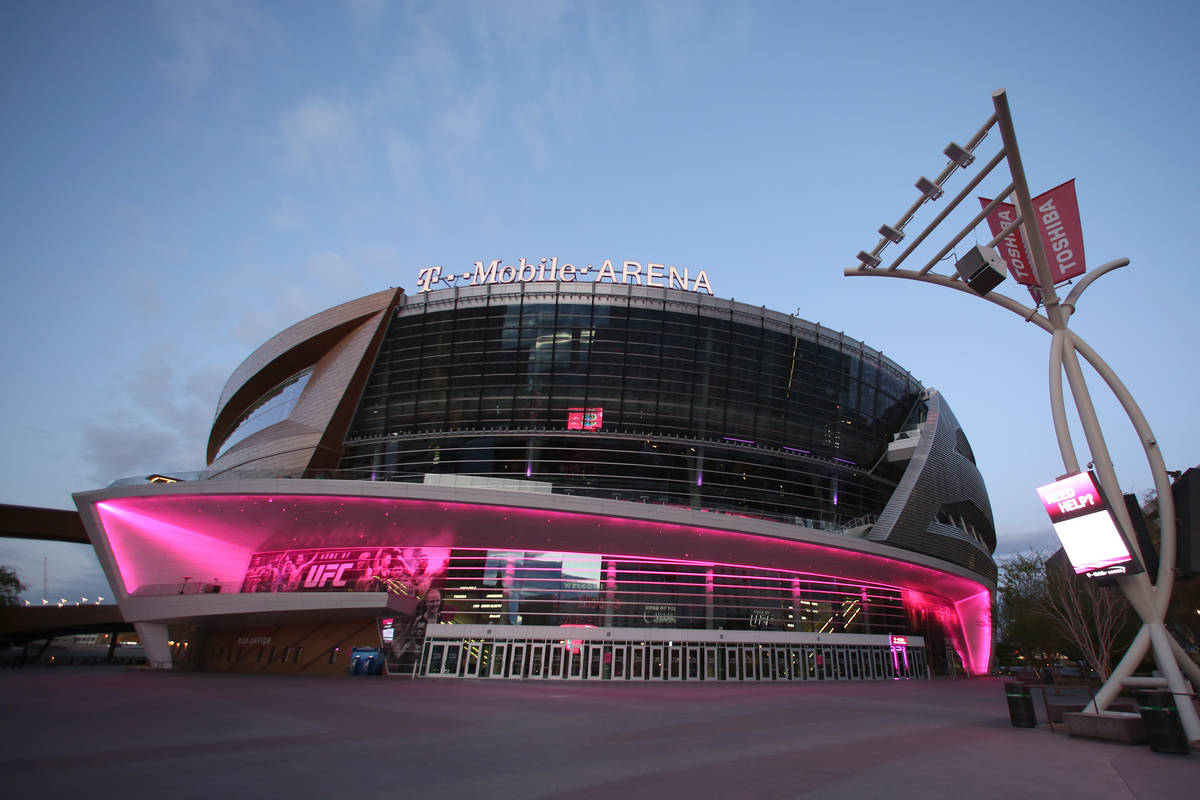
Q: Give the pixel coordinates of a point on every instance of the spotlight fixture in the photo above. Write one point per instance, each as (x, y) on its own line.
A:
(928, 188)
(981, 268)
(959, 155)
(868, 259)
(891, 234)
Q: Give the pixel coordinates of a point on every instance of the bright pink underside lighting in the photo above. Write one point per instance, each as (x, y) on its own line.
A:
(210, 537)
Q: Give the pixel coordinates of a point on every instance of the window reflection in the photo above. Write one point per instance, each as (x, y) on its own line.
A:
(272, 407)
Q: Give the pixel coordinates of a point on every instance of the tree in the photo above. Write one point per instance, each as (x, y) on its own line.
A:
(1046, 609)
(1025, 629)
(10, 587)
(1092, 617)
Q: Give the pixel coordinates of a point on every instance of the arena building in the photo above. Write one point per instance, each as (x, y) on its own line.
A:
(621, 479)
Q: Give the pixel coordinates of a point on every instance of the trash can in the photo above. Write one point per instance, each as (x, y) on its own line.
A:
(1020, 705)
(1160, 717)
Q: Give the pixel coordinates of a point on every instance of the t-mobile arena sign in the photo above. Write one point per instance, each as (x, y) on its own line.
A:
(1086, 528)
(666, 276)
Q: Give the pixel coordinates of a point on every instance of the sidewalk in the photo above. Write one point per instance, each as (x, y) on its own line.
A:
(122, 734)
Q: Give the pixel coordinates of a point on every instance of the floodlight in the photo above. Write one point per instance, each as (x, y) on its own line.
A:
(982, 269)
(868, 259)
(959, 155)
(891, 234)
(928, 188)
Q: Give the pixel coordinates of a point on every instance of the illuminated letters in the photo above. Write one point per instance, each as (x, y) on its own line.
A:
(664, 276)
(606, 271)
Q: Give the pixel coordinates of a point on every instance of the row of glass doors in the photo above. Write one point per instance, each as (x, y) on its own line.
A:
(673, 661)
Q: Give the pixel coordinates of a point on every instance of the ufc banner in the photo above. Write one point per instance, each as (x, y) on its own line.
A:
(1062, 235)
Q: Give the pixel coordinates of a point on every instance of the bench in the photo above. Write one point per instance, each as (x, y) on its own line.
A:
(1113, 726)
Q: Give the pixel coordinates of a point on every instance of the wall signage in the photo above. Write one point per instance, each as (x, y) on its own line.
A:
(659, 615)
(585, 419)
(1085, 526)
(666, 276)
(252, 640)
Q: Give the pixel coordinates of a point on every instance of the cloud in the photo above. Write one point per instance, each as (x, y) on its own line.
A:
(124, 448)
(367, 15)
(157, 417)
(332, 270)
(202, 31)
(317, 130)
(143, 295)
(463, 123)
(287, 217)
(1010, 544)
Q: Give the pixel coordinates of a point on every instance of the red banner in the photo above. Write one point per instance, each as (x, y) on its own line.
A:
(1061, 231)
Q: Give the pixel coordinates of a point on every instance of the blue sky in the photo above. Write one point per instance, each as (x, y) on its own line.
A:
(181, 180)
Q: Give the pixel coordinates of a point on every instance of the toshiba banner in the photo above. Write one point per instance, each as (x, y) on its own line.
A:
(1062, 235)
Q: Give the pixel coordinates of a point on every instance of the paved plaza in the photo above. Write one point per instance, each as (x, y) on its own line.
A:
(101, 733)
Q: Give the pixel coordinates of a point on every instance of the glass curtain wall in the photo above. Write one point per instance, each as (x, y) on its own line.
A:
(698, 407)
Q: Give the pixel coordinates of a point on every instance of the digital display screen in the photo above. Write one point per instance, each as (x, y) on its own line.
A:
(585, 419)
(1086, 528)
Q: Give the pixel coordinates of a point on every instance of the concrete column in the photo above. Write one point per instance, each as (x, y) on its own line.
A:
(154, 639)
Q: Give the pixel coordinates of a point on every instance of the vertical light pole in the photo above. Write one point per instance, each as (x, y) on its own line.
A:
(1149, 600)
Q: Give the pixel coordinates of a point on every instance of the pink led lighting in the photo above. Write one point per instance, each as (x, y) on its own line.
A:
(156, 539)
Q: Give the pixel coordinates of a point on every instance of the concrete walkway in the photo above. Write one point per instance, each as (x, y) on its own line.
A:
(136, 733)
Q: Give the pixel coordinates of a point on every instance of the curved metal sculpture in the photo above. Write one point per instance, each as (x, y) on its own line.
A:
(1149, 600)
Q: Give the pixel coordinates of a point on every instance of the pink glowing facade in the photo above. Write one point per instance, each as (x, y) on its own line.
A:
(180, 544)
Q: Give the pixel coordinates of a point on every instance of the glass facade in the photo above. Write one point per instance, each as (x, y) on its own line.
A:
(272, 407)
(447, 653)
(698, 403)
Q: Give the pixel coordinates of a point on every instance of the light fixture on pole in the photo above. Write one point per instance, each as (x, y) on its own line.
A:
(928, 188)
(893, 235)
(959, 155)
(868, 259)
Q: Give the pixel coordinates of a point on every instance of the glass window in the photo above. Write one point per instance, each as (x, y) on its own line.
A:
(272, 407)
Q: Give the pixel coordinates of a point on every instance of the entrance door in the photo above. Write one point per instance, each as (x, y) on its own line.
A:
(517, 656)
(618, 665)
(555, 656)
(710, 663)
(783, 670)
(574, 659)
(749, 662)
(693, 663)
(485, 659)
(675, 659)
(637, 662)
(731, 663)
(537, 660)
(498, 656)
(437, 656)
(595, 654)
(453, 653)
(657, 672)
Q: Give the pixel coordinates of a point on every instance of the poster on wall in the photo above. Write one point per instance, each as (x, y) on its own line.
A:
(408, 571)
